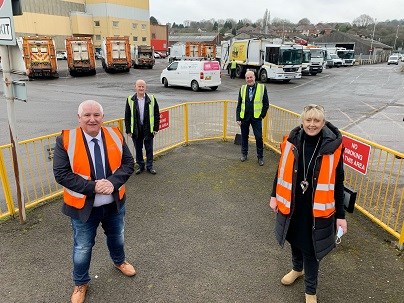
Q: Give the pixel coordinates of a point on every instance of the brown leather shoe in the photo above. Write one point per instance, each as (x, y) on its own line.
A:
(127, 269)
(79, 293)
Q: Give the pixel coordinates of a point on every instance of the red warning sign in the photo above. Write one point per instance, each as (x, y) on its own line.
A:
(164, 120)
(356, 154)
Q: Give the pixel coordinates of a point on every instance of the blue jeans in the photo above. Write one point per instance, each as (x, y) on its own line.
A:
(112, 221)
(245, 131)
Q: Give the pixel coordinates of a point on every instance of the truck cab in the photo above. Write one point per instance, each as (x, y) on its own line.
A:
(281, 62)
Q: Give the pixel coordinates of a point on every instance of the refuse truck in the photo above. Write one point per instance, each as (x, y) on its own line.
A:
(80, 56)
(268, 59)
(142, 56)
(39, 56)
(115, 54)
(192, 50)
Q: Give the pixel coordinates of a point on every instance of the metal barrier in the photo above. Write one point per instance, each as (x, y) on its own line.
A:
(380, 191)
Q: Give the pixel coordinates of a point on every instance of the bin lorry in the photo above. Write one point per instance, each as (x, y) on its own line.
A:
(347, 56)
(39, 56)
(192, 50)
(80, 55)
(142, 55)
(313, 60)
(267, 60)
(115, 54)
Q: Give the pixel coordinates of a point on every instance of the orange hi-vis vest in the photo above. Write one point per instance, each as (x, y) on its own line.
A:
(73, 143)
(324, 202)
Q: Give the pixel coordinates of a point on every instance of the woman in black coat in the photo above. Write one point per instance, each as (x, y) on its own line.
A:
(308, 195)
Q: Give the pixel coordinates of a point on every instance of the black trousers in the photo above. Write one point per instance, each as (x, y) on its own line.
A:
(307, 261)
(147, 141)
(245, 131)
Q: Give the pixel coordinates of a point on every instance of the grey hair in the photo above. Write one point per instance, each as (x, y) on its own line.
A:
(89, 102)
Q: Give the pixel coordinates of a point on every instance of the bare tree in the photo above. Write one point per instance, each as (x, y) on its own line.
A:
(363, 21)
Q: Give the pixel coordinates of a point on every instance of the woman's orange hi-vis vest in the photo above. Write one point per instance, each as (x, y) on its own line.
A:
(324, 202)
(73, 143)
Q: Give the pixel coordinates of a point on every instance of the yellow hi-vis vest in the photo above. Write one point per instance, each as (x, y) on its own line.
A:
(259, 94)
(73, 143)
(233, 64)
(132, 116)
(324, 202)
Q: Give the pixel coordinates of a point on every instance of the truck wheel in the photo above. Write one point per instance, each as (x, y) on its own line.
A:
(150, 66)
(313, 73)
(194, 85)
(286, 81)
(240, 71)
(263, 76)
(165, 82)
(72, 73)
(214, 87)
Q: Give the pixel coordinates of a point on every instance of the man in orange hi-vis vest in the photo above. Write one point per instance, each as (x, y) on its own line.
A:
(308, 195)
(93, 163)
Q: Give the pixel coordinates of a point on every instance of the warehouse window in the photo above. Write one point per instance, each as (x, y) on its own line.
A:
(96, 23)
(144, 39)
(98, 37)
(115, 23)
(134, 25)
(153, 36)
(143, 26)
(135, 39)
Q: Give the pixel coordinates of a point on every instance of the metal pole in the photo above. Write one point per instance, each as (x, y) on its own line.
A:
(373, 36)
(395, 40)
(8, 92)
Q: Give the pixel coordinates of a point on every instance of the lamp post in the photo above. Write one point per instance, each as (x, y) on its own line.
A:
(371, 42)
(395, 40)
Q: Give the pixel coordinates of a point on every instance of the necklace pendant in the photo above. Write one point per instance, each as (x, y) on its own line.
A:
(304, 185)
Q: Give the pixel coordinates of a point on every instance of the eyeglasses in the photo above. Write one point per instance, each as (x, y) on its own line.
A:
(311, 106)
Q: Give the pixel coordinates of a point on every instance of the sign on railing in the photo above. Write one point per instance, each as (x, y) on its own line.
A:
(164, 120)
(356, 154)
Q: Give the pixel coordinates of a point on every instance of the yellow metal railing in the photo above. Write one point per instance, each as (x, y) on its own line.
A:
(380, 191)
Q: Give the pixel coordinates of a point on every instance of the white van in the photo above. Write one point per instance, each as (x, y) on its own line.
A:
(192, 73)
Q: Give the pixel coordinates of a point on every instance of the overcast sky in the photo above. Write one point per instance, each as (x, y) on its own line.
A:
(293, 10)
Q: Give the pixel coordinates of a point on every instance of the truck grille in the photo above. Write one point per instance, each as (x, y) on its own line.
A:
(290, 69)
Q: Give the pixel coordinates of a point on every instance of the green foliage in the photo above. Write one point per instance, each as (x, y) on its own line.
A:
(153, 20)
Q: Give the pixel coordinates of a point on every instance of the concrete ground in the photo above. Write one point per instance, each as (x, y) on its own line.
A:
(198, 231)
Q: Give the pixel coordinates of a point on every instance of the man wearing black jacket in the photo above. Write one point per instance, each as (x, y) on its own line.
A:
(252, 107)
(142, 120)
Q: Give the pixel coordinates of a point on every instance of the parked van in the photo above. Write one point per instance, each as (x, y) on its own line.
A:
(192, 73)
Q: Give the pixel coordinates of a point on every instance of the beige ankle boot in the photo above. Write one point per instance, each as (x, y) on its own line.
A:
(291, 277)
(311, 298)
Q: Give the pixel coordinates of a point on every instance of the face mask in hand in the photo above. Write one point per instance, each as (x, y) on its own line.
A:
(340, 233)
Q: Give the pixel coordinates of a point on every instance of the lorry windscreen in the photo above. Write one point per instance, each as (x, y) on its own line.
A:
(291, 56)
(317, 53)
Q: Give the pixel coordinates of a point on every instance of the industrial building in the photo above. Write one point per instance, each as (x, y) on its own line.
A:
(95, 18)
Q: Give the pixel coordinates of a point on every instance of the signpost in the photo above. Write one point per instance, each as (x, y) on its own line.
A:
(7, 38)
(356, 154)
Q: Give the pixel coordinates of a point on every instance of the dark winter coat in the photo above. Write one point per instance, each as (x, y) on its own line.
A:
(321, 238)
(146, 120)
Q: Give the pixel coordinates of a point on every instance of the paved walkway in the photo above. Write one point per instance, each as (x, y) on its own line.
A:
(198, 231)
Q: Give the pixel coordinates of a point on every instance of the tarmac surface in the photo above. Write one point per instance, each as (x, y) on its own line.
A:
(198, 231)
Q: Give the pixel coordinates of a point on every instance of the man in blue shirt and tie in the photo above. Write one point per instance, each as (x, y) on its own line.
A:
(252, 107)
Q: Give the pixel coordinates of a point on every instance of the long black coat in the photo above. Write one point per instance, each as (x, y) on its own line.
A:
(320, 238)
